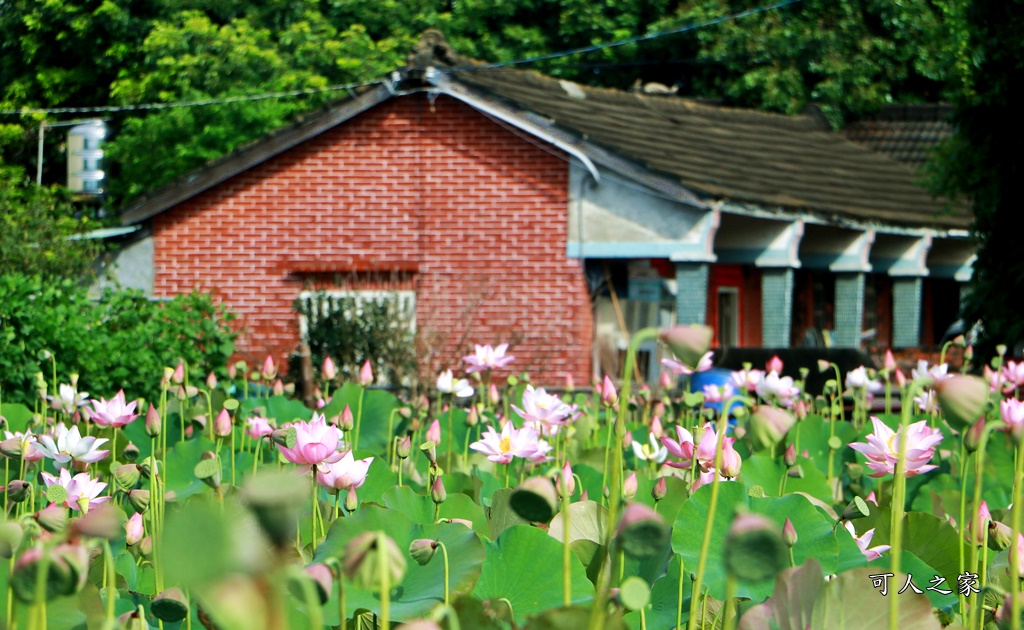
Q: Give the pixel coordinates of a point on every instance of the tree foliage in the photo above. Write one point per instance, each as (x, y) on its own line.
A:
(38, 231)
(983, 162)
(847, 56)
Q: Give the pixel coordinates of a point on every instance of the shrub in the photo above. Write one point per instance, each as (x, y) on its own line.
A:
(121, 340)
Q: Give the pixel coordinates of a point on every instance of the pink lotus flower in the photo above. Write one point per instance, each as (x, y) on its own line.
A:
(682, 448)
(269, 370)
(68, 399)
(882, 448)
(487, 358)
(704, 478)
(857, 378)
(653, 451)
(935, 372)
(717, 394)
(67, 447)
(447, 384)
(777, 389)
(678, 367)
(344, 474)
(746, 380)
(731, 460)
(29, 443)
(258, 427)
(82, 492)
(1013, 373)
(545, 409)
(222, 426)
(864, 540)
(501, 448)
(1012, 412)
(316, 442)
(609, 395)
(774, 364)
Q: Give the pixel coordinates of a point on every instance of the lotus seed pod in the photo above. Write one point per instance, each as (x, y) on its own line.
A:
(429, 449)
(642, 532)
(127, 476)
(284, 437)
(361, 560)
(104, 521)
(130, 453)
(139, 500)
(999, 536)
(768, 425)
(688, 343)
(422, 550)
(535, 500)
(208, 471)
(11, 535)
(53, 518)
(962, 399)
(754, 549)
(170, 606)
(856, 509)
(18, 490)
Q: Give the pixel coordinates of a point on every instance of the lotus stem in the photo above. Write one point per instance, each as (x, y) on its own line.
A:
(962, 522)
(566, 573)
(316, 616)
(110, 578)
(391, 437)
(385, 582)
(444, 556)
(679, 596)
(727, 605)
(899, 490)
(1018, 478)
(451, 412)
(359, 418)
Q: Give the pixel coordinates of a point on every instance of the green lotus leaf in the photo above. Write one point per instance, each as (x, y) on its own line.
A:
(420, 508)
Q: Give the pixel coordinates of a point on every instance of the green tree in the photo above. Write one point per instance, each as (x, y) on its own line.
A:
(983, 162)
(39, 233)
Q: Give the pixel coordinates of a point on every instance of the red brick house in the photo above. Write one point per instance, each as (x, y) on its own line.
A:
(517, 208)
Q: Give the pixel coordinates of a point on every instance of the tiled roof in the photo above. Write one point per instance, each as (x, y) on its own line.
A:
(906, 133)
(746, 156)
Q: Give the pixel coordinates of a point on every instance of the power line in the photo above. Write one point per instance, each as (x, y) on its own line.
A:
(197, 103)
(624, 42)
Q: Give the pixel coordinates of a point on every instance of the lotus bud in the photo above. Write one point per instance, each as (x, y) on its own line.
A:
(269, 370)
(972, 437)
(430, 450)
(565, 483)
(975, 533)
(146, 546)
(178, 375)
(405, 412)
(366, 374)
(609, 395)
(642, 532)
(584, 496)
(153, 421)
(889, 364)
(170, 606)
(660, 489)
(434, 432)
(1001, 350)
(404, 447)
(53, 518)
(629, 486)
(232, 371)
(823, 366)
(665, 380)
(472, 418)
(801, 409)
(657, 430)
(754, 549)
(146, 467)
(346, 421)
(422, 550)
(535, 500)
(278, 388)
(731, 460)
(774, 364)
(627, 440)
(140, 499)
(222, 425)
(351, 500)
(962, 398)
(328, 370)
(211, 381)
(457, 521)
(688, 343)
(437, 491)
(190, 391)
(134, 530)
(18, 490)
(969, 353)
(871, 498)
(790, 455)
(901, 379)
(361, 560)
(999, 535)
(857, 508)
(11, 535)
(493, 395)
(323, 578)
(789, 534)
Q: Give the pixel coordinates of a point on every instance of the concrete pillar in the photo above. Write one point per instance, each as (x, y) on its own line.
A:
(906, 312)
(691, 292)
(849, 309)
(776, 306)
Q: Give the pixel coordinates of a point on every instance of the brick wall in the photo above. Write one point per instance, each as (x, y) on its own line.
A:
(469, 214)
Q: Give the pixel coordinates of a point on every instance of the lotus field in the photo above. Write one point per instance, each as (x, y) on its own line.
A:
(885, 500)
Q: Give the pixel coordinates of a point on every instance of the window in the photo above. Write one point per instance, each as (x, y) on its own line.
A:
(351, 303)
